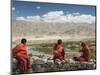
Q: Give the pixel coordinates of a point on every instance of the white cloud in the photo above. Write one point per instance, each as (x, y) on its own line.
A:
(20, 18)
(38, 7)
(61, 17)
(80, 18)
(76, 14)
(13, 8)
(33, 18)
(29, 18)
(55, 16)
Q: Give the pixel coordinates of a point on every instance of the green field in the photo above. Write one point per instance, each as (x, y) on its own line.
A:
(72, 46)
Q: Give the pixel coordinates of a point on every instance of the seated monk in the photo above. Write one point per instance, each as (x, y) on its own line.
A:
(20, 53)
(59, 53)
(85, 52)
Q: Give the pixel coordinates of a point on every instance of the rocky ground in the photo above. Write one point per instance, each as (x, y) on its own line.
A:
(50, 67)
(42, 61)
(40, 66)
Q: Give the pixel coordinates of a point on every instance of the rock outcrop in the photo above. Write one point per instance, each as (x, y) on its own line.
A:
(39, 66)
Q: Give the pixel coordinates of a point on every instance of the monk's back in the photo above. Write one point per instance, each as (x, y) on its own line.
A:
(20, 49)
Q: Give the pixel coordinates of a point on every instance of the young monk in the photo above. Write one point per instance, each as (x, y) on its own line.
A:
(59, 53)
(85, 52)
(20, 53)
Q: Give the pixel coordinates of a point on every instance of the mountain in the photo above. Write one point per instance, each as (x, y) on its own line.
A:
(26, 28)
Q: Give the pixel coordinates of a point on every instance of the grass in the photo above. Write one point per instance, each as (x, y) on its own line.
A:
(71, 45)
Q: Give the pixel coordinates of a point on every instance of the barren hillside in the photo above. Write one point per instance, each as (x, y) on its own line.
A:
(26, 28)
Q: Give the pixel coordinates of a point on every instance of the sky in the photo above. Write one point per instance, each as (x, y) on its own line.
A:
(52, 12)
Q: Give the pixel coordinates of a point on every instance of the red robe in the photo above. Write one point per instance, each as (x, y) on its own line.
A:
(20, 53)
(59, 49)
(86, 54)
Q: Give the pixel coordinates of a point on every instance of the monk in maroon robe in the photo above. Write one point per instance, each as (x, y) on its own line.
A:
(20, 53)
(85, 52)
